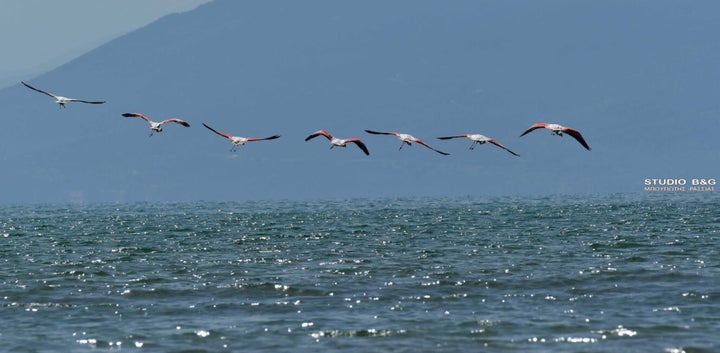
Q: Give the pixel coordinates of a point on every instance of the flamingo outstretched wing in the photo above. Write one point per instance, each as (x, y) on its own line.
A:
(137, 115)
(497, 143)
(263, 138)
(175, 120)
(534, 127)
(84, 101)
(221, 133)
(453, 137)
(319, 133)
(38, 90)
(381, 132)
(428, 146)
(576, 134)
(359, 143)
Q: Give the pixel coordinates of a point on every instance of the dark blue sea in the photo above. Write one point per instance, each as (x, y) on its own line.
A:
(620, 273)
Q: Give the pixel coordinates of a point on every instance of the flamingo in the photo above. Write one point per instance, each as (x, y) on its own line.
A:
(60, 100)
(479, 139)
(559, 130)
(237, 140)
(156, 126)
(334, 141)
(406, 139)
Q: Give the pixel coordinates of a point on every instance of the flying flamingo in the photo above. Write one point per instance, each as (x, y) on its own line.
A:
(156, 126)
(334, 141)
(237, 140)
(60, 100)
(406, 139)
(559, 130)
(479, 139)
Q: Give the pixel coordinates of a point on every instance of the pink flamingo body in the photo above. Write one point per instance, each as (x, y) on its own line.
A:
(156, 126)
(406, 139)
(336, 142)
(478, 139)
(238, 140)
(558, 130)
(60, 100)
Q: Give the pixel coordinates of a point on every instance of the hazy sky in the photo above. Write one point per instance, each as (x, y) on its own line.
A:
(39, 35)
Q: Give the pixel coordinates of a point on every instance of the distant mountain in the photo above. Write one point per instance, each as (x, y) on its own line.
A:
(639, 79)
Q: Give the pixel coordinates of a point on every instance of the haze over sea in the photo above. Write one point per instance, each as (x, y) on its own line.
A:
(620, 273)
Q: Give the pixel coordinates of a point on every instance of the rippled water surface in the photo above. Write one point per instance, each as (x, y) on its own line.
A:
(598, 274)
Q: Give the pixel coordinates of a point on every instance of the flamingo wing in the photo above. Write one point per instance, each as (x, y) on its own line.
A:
(381, 133)
(452, 137)
(263, 138)
(221, 133)
(175, 120)
(318, 133)
(38, 90)
(497, 143)
(576, 134)
(137, 115)
(534, 127)
(359, 144)
(428, 146)
(84, 101)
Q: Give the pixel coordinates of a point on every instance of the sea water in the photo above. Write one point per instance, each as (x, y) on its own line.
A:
(620, 273)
